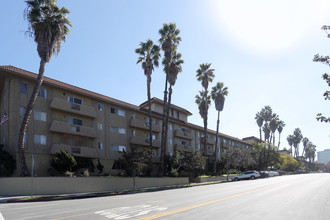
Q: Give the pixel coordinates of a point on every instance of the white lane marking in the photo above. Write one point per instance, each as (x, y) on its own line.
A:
(1, 217)
(128, 212)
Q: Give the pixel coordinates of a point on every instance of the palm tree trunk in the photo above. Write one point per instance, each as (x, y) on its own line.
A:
(260, 134)
(164, 130)
(20, 147)
(168, 111)
(274, 139)
(279, 140)
(205, 132)
(150, 123)
(216, 145)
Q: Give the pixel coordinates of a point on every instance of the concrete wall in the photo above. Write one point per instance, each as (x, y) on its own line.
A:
(15, 186)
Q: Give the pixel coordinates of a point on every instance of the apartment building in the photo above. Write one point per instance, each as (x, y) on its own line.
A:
(90, 125)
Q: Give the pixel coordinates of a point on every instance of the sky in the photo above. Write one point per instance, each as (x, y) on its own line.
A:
(261, 50)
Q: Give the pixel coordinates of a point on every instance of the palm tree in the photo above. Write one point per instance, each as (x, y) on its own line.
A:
(218, 94)
(273, 124)
(260, 121)
(290, 142)
(205, 75)
(281, 125)
(169, 41)
(297, 137)
(305, 141)
(148, 57)
(48, 24)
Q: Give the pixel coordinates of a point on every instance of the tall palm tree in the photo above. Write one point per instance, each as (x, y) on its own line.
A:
(218, 93)
(297, 137)
(169, 41)
(148, 57)
(260, 121)
(205, 75)
(305, 141)
(281, 125)
(290, 142)
(273, 124)
(48, 24)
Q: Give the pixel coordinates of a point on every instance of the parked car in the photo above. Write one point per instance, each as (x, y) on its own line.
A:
(247, 175)
(264, 174)
(276, 173)
(271, 173)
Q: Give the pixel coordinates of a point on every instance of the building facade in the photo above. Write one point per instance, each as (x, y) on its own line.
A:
(90, 125)
(323, 156)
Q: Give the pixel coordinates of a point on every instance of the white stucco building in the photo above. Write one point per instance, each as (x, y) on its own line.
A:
(323, 156)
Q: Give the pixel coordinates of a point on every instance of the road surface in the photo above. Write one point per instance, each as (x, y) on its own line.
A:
(305, 196)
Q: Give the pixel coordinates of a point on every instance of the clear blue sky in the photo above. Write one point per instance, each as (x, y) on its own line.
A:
(261, 50)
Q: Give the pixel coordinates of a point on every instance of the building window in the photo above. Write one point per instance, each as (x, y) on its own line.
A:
(99, 107)
(185, 143)
(117, 112)
(119, 148)
(199, 147)
(198, 134)
(75, 121)
(75, 100)
(42, 93)
(178, 114)
(40, 139)
(170, 127)
(170, 140)
(133, 132)
(21, 111)
(39, 115)
(99, 126)
(133, 115)
(118, 130)
(100, 145)
(172, 112)
(23, 88)
(154, 137)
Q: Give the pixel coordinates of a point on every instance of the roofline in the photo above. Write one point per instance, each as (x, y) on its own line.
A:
(159, 101)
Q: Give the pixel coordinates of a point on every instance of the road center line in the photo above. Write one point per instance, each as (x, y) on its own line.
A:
(204, 204)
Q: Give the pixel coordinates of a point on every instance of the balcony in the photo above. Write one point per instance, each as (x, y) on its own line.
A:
(210, 141)
(137, 123)
(139, 140)
(183, 148)
(74, 150)
(63, 127)
(64, 105)
(183, 134)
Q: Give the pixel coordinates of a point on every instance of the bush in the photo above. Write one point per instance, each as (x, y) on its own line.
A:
(63, 162)
(7, 163)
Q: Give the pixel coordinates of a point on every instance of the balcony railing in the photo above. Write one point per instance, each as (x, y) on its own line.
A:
(75, 150)
(139, 140)
(183, 134)
(63, 127)
(137, 123)
(64, 105)
(184, 148)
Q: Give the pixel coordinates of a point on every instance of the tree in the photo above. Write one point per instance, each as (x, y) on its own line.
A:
(205, 75)
(169, 42)
(260, 121)
(310, 152)
(148, 57)
(63, 162)
(273, 124)
(7, 163)
(218, 94)
(297, 137)
(265, 155)
(290, 142)
(287, 163)
(325, 76)
(193, 163)
(280, 125)
(305, 141)
(49, 25)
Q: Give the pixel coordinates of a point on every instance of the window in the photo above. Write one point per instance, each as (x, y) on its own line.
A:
(133, 115)
(119, 148)
(170, 141)
(21, 111)
(178, 114)
(40, 139)
(99, 126)
(100, 145)
(170, 127)
(39, 115)
(99, 107)
(154, 137)
(198, 134)
(42, 93)
(172, 112)
(23, 88)
(118, 130)
(75, 100)
(75, 121)
(133, 132)
(117, 112)
(199, 147)
(185, 143)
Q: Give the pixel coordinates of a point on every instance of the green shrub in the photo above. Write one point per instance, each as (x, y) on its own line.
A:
(63, 162)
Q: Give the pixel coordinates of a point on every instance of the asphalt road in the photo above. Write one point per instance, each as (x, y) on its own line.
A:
(305, 196)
